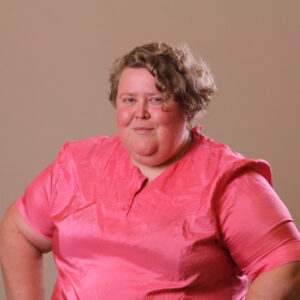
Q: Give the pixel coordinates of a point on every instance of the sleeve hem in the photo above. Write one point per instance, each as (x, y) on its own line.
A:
(26, 219)
(280, 258)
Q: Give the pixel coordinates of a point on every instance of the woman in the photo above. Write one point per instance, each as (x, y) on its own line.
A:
(158, 212)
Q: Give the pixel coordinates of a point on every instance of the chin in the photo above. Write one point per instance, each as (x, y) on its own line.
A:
(147, 157)
(142, 149)
(148, 161)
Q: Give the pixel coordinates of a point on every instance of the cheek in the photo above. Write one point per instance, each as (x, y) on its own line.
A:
(123, 117)
(173, 119)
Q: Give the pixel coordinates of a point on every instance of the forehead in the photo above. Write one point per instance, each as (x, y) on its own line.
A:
(136, 80)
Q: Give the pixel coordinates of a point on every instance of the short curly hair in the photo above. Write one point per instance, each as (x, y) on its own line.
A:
(176, 74)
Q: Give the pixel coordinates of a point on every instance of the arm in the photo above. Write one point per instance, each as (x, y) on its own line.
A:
(261, 237)
(21, 251)
(278, 284)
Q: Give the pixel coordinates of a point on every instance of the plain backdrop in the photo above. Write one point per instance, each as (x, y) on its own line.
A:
(55, 58)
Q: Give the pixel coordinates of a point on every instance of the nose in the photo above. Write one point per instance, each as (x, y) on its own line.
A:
(142, 111)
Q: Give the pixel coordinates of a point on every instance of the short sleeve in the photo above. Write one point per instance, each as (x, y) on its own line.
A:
(34, 205)
(255, 225)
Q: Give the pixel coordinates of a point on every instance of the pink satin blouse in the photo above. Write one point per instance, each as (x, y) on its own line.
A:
(198, 231)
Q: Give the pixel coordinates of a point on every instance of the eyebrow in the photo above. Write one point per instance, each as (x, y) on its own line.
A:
(147, 94)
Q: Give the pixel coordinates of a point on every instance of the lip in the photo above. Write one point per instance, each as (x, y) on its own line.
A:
(142, 129)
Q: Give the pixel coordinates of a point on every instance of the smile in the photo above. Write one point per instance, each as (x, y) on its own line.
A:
(142, 130)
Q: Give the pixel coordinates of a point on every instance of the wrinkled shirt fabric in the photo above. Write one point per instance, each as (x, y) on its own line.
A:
(199, 230)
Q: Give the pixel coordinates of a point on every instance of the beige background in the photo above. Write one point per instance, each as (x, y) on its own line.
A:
(55, 58)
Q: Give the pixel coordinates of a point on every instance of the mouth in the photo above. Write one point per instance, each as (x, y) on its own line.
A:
(143, 130)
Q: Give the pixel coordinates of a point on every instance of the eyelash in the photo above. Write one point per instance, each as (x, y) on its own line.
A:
(157, 98)
(152, 100)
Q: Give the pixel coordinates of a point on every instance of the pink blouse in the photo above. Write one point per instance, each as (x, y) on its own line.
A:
(198, 231)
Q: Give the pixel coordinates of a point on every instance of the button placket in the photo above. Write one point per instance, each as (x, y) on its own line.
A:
(134, 192)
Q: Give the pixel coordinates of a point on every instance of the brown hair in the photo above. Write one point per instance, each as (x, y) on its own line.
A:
(176, 73)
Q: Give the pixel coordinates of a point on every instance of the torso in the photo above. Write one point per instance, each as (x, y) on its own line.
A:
(119, 235)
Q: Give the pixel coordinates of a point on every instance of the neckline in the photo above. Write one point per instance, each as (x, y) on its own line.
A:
(195, 137)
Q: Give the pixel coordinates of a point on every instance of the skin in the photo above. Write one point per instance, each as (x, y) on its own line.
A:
(152, 130)
(155, 136)
(21, 251)
(282, 283)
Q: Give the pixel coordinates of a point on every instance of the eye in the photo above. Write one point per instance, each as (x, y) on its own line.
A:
(128, 100)
(156, 100)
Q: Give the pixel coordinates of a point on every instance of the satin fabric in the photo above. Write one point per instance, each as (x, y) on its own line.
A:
(198, 231)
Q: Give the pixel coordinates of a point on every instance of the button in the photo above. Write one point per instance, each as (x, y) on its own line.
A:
(126, 207)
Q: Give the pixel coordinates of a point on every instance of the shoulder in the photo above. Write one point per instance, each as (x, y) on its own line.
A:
(214, 149)
(90, 144)
(220, 159)
(88, 148)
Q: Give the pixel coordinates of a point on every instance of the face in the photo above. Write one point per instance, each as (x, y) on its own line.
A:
(151, 130)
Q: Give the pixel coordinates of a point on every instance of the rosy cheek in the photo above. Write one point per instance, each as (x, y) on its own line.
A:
(169, 117)
(123, 117)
